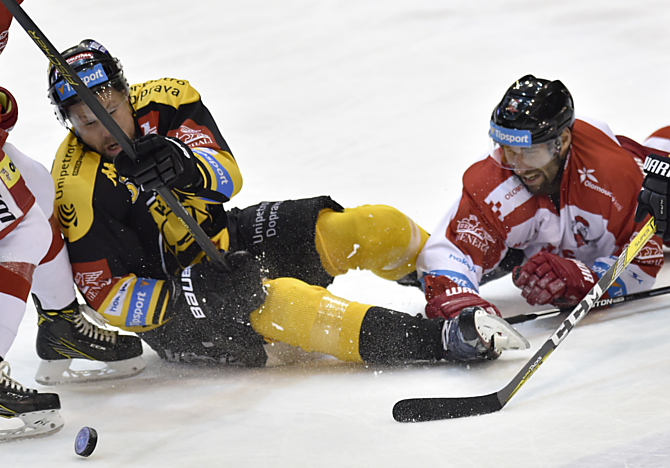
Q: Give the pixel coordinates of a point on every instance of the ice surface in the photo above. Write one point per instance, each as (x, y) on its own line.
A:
(370, 102)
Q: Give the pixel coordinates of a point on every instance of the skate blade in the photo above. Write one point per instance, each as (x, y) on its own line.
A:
(35, 424)
(60, 372)
(506, 337)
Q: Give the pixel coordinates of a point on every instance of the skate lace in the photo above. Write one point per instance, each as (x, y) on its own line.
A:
(7, 381)
(91, 330)
(445, 334)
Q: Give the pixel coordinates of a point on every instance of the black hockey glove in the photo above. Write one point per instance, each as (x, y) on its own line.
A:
(209, 314)
(653, 199)
(160, 161)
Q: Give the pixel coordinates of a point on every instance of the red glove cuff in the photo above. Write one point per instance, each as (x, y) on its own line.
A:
(446, 299)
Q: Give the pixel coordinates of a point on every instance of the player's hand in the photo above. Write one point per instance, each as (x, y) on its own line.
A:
(546, 277)
(447, 299)
(653, 198)
(160, 161)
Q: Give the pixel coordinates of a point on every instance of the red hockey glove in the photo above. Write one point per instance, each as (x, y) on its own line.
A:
(446, 299)
(546, 277)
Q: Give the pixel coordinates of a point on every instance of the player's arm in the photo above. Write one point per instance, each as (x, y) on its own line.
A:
(463, 246)
(127, 302)
(193, 124)
(188, 152)
(205, 304)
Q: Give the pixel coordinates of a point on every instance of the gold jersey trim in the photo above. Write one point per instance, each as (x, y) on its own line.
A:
(169, 91)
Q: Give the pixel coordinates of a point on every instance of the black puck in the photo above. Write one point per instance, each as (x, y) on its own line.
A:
(85, 442)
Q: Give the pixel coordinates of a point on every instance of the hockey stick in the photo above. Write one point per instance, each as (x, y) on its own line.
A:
(112, 127)
(430, 409)
(597, 305)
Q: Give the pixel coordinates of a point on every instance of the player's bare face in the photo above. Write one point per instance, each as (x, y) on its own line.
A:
(93, 133)
(542, 180)
(538, 167)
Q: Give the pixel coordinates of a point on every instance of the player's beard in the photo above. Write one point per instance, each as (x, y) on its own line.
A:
(545, 180)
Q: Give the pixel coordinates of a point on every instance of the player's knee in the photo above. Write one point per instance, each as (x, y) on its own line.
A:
(374, 237)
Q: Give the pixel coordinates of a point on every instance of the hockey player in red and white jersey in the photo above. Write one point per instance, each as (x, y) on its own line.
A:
(33, 257)
(553, 201)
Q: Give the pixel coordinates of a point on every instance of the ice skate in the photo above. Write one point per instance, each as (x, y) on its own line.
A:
(38, 411)
(64, 336)
(475, 335)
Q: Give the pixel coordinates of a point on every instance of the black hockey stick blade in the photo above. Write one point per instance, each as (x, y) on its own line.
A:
(431, 409)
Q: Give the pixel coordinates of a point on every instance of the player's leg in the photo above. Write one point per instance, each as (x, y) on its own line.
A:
(20, 251)
(316, 239)
(225, 316)
(281, 235)
(313, 319)
(378, 238)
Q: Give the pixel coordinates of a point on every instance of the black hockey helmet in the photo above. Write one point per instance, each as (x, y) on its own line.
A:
(541, 107)
(96, 67)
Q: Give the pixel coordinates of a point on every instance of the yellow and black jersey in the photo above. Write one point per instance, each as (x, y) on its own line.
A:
(124, 243)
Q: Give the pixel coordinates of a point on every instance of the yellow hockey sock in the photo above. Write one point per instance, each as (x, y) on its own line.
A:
(378, 238)
(311, 318)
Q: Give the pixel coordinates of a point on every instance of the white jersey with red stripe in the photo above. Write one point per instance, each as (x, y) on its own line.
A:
(594, 222)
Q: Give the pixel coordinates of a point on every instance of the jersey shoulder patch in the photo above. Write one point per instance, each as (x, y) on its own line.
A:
(600, 163)
(74, 172)
(501, 191)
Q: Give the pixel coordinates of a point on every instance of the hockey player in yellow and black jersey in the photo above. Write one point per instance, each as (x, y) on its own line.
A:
(139, 267)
